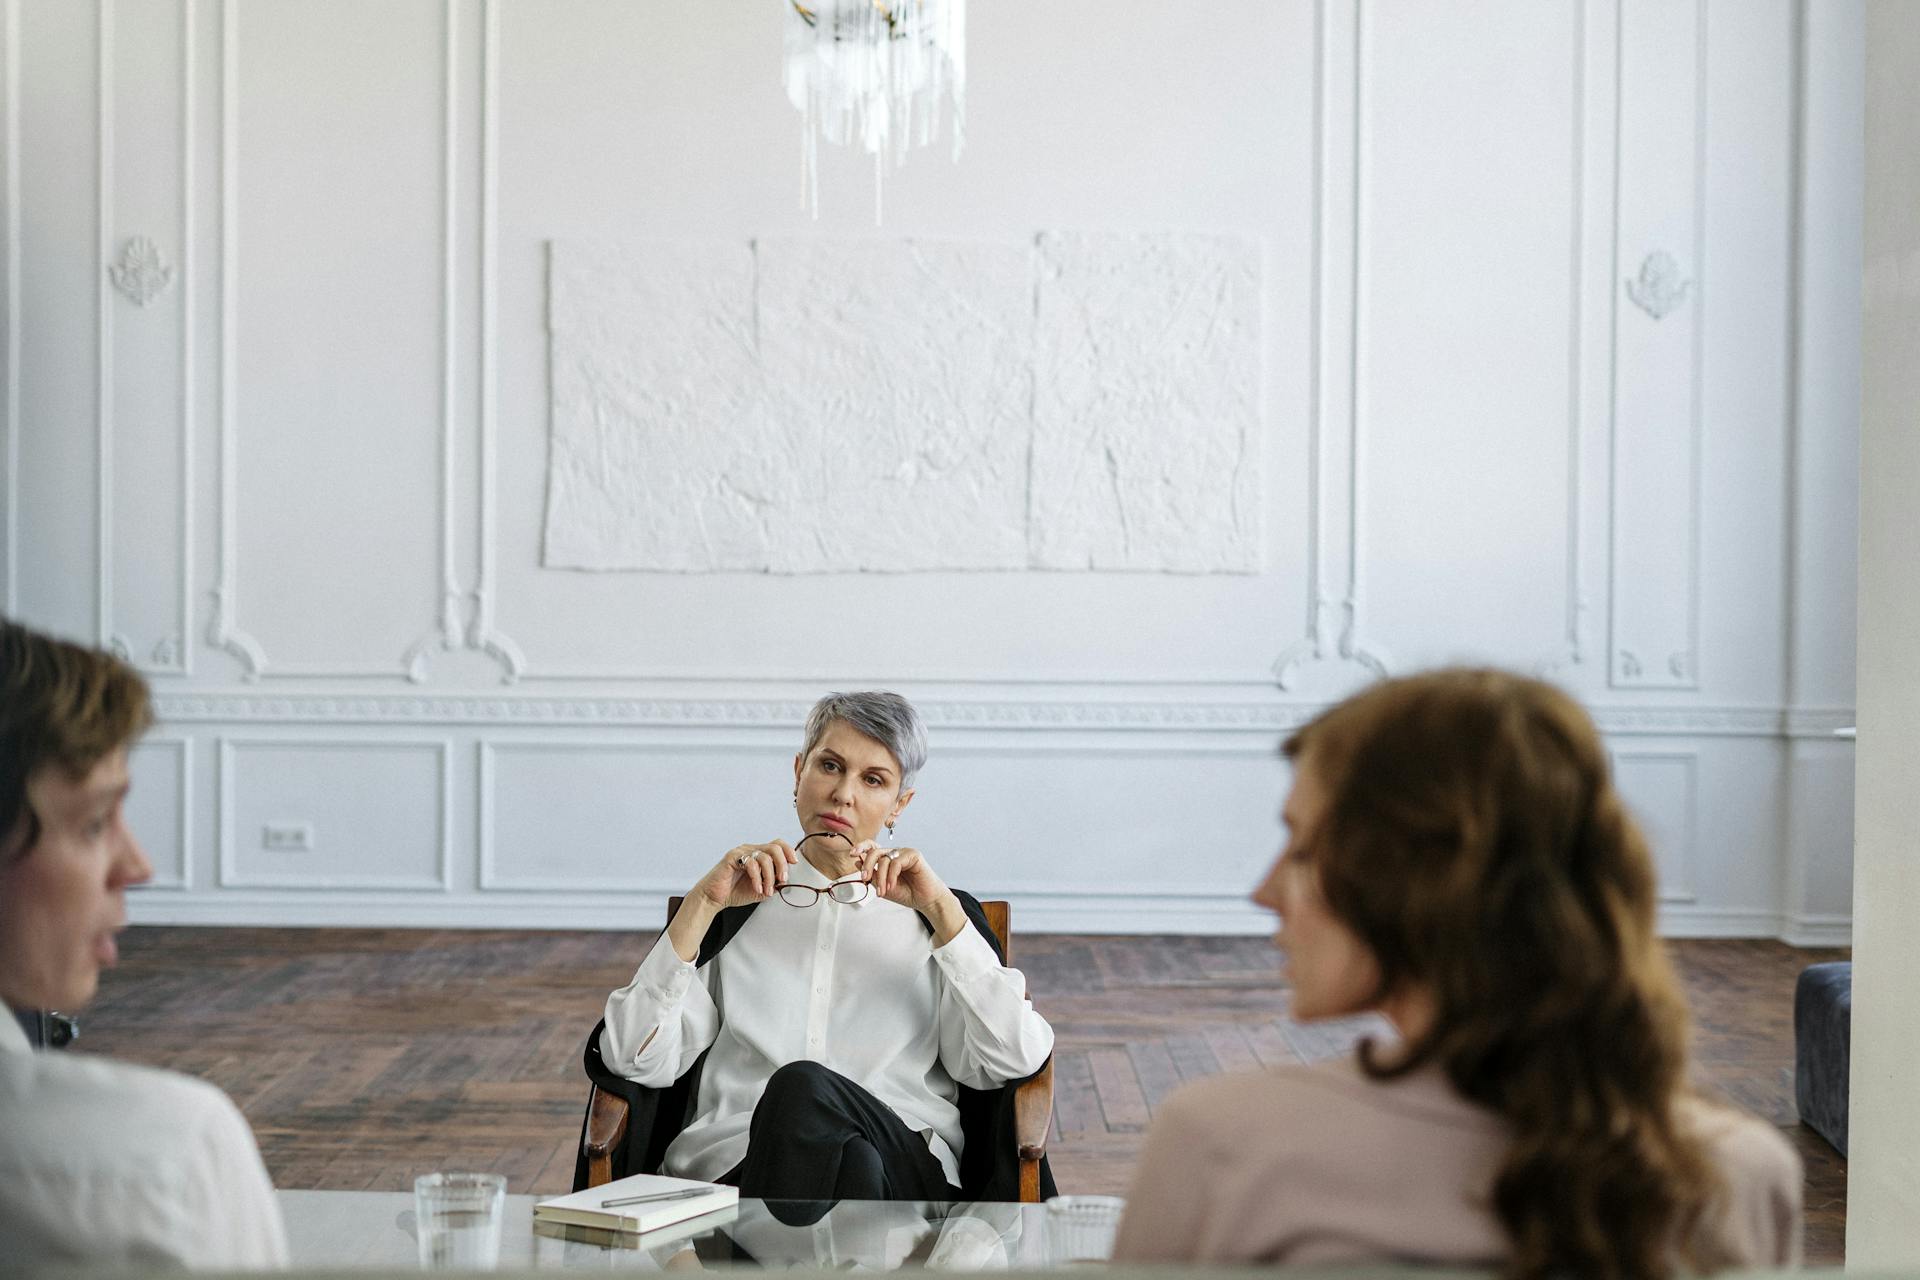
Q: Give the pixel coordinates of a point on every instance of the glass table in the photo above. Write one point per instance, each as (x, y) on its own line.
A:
(356, 1229)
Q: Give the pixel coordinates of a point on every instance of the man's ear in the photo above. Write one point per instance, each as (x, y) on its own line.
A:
(15, 843)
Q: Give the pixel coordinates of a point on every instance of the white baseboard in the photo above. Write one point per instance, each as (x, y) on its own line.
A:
(1818, 931)
(1681, 921)
(1735, 922)
(1032, 913)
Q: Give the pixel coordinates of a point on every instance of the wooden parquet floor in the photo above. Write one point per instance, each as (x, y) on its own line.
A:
(365, 1056)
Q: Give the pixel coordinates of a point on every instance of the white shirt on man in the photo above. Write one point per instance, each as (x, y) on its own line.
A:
(107, 1162)
(857, 987)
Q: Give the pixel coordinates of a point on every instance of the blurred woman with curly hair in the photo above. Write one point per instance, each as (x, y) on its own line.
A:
(1459, 860)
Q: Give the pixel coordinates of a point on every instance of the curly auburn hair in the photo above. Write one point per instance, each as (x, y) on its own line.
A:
(1473, 840)
(61, 705)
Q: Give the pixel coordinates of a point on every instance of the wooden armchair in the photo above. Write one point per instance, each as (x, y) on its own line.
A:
(608, 1114)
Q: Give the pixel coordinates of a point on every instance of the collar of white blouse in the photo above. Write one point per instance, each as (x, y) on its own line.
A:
(12, 1038)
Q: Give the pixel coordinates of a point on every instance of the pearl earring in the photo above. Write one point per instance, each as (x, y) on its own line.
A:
(889, 833)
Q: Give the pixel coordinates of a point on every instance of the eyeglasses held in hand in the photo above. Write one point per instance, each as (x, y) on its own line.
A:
(805, 895)
(842, 891)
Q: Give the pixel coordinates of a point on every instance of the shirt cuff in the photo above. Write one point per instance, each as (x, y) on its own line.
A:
(966, 954)
(664, 971)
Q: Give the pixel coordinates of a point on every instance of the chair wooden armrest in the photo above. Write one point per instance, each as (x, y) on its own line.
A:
(1032, 1117)
(606, 1130)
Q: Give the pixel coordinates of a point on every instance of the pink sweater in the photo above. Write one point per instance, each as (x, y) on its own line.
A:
(1321, 1164)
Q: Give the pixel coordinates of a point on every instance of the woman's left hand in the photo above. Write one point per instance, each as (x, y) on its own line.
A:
(899, 875)
(905, 877)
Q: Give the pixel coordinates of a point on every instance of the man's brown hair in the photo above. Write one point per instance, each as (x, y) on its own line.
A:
(61, 704)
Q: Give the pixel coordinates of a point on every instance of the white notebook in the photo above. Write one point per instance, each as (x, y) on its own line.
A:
(588, 1208)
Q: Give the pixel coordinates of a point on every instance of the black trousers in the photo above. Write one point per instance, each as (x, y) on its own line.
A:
(817, 1135)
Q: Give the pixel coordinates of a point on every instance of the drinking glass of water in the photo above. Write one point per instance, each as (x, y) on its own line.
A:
(1081, 1229)
(458, 1219)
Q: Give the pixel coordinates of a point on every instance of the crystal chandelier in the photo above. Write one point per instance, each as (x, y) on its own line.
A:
(878, 71)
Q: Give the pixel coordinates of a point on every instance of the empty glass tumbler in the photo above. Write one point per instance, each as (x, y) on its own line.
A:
(458, 1218)
(1080, 1229)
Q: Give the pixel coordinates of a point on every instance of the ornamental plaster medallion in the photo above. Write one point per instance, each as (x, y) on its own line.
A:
(141, 274)
(166, 653)
(1630, 667)
(1659, 288)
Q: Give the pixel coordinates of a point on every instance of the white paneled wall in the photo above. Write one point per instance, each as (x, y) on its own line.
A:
(1557, 302)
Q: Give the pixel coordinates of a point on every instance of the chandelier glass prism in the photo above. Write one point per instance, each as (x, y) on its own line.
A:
(881, 73)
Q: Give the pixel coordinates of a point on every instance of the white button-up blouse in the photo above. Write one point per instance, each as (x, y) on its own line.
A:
(859, 988)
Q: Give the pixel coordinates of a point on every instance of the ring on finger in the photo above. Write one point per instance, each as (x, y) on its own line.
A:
(893, 855)
(743, 860)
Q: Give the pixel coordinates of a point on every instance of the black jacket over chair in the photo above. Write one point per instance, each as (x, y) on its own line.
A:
(989, 1152)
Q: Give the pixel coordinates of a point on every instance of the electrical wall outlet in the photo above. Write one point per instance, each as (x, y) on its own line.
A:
(287, 837)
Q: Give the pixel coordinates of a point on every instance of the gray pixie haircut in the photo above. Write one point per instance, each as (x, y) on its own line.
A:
(887, 718)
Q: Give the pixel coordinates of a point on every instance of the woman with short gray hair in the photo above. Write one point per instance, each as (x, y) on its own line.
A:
(834, 1031)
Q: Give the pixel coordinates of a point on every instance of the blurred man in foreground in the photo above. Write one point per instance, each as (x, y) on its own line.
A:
(102, 1161)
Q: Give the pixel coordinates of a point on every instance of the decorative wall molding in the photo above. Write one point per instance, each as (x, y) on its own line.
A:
(912, 677)
(1820, 723)
(1720, 922)
(174, 653)
(182, 746)
(1001, 720)
(103, 327)
(482, 635)
(1077, 912)
(1660, 287)
(223, 631)
(448, 630)
(1012, 714)
(1691, 722)
(1335, 605)
(140, 272)
(13, 262)
(1334, 599)
(492, 882)
(1817, 931)
(229, 873)
(1678, 881)
(1590, 351)
(237, 708)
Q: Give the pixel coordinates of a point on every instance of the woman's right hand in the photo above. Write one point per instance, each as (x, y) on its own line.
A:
(749, 873)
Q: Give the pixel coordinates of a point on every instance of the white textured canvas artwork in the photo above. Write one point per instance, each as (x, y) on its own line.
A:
(658, 413)
(815, 406)
(902, 372)
(1146, 405)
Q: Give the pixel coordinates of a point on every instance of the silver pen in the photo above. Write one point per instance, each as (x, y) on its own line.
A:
(687, 1194)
